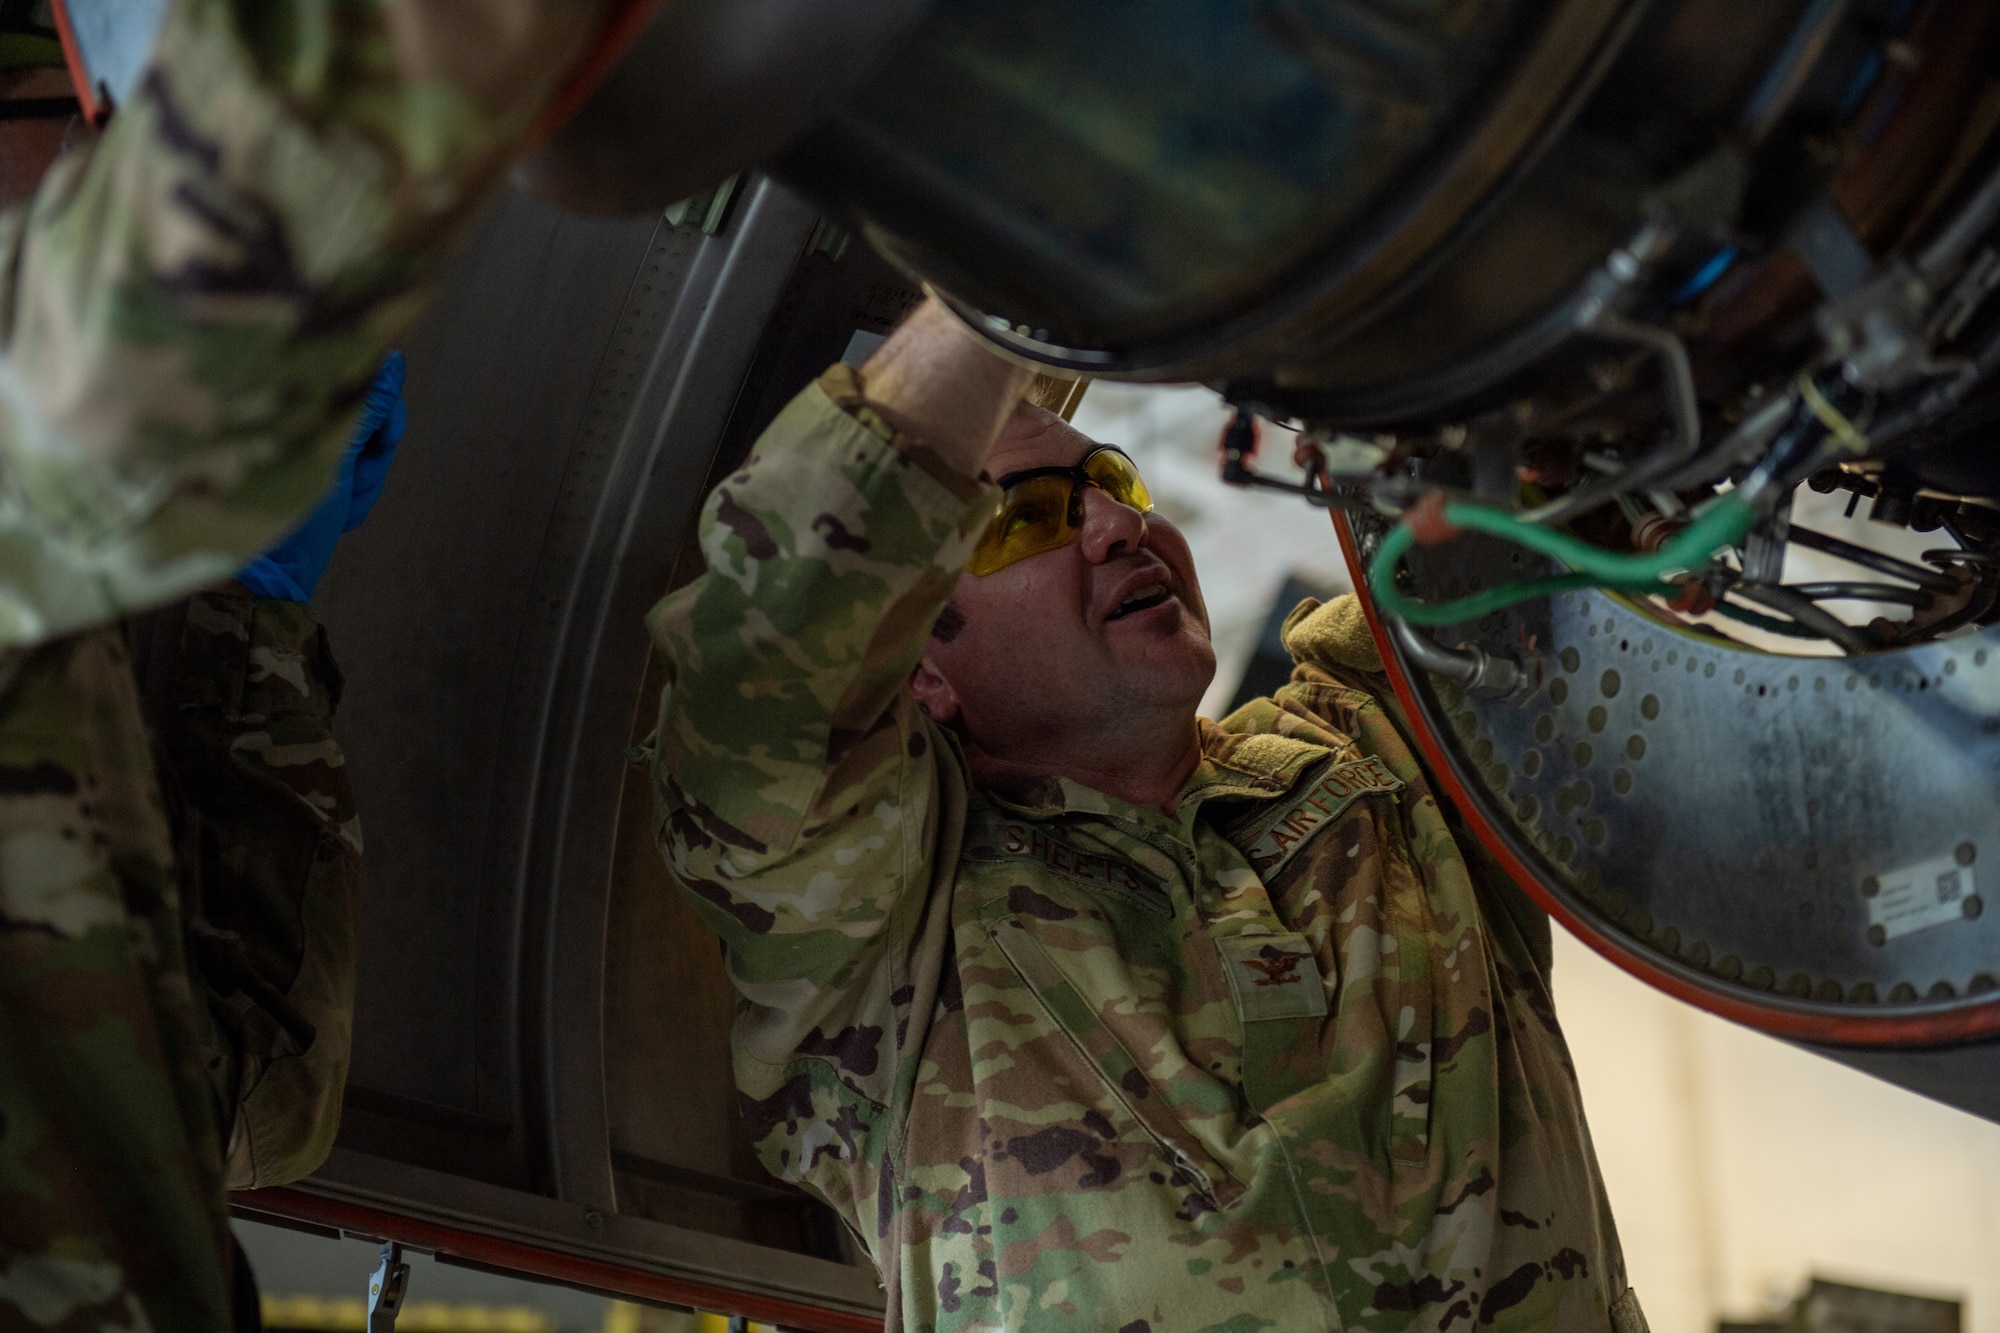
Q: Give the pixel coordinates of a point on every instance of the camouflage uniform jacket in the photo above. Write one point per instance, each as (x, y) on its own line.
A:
(1274, 1061)
(191, 312)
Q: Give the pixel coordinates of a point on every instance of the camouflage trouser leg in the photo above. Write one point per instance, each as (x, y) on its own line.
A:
(111, 1204)
(240, 692)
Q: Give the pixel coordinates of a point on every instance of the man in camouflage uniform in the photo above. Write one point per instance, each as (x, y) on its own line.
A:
(1081, 1012)
(190, 314)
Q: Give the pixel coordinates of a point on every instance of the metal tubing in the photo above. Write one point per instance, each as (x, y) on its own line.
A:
(1742, 445)
(1676, 382)
(1949, 246)
(1676, 376)
(1489, 675)
(1875, 560)
(1807, 613)
(1794, 66)
(1860, 592)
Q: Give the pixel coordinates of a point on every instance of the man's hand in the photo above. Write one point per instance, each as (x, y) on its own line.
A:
(942, 383)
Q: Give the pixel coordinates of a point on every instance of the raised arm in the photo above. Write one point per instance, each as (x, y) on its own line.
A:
(798, 784)
(828, 556)
(936, 381)
(191, 310)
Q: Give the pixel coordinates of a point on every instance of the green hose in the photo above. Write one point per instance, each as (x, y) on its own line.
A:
(1722, 524)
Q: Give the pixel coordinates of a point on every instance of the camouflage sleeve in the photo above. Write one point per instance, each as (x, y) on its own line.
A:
(240, 692)
(191, 311)
(798, 783)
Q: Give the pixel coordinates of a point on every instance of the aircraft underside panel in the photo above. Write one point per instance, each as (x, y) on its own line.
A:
(541, 1078)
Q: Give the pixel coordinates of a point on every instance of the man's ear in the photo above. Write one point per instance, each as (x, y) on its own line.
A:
(933, 691)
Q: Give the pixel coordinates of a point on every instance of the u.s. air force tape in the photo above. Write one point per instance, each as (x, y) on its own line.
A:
(1319, 804)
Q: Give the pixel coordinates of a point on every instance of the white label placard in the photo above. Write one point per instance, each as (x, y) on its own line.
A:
(1929, 893)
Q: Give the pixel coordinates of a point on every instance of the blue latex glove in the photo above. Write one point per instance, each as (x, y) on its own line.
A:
(291, 570)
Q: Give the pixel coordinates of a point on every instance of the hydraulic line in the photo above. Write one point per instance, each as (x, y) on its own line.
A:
(1723, 523)
(1677, 383)
(1860, 592)
(1742, 445)
(1479, 672)
(1948, 557)
(1819, 427)
(1807, 613)
(1964, 231)
(1875, 560)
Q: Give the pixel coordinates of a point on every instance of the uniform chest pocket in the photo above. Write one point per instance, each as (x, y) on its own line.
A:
(1124, 1076)
(1272, 977)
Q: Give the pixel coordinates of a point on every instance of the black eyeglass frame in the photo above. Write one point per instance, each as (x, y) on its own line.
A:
(1078, 478)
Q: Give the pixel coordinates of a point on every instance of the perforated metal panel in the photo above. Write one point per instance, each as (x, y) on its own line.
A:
(1807, 845)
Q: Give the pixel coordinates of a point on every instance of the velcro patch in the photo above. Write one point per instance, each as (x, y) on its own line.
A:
(1272, 976)
(1324, 801)
(1005, 839)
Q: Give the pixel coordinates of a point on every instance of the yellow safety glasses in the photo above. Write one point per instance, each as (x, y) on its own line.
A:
(1042, 508)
